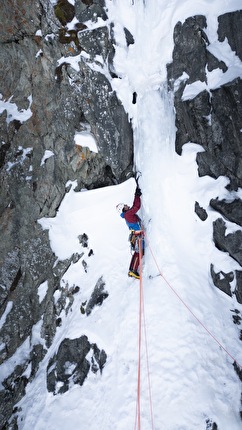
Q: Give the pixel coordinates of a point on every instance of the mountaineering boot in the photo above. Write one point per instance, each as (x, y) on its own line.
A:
(133, 274)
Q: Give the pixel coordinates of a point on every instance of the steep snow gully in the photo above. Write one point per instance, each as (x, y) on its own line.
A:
(193, 382)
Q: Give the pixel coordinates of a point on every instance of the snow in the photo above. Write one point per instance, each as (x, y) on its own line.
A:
(46, 155)
(12, 110)
(73, 61)
(86, 139)
(42, 290)
(192, 377)
(217, 77)
(5, 314)
(22, 354)
(39, 53)
(24, 152)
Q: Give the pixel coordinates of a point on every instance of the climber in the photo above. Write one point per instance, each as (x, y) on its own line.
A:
(133, 222)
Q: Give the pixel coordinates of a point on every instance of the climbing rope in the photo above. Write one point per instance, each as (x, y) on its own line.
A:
(137, 425)
(142, 320)
(148, 371)
(190, 310)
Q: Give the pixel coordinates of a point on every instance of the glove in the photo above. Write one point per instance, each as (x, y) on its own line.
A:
(138, 192)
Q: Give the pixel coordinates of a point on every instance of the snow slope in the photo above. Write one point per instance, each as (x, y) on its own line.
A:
(192, 377)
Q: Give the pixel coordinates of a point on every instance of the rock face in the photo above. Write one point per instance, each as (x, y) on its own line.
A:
(55, 84)
(44, 102)
(71, 366)
(212, 119)
(98, 295)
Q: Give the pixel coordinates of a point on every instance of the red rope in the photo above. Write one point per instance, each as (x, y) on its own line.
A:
(138, 408)
(142, 314)
(148, 371)
(189, 309)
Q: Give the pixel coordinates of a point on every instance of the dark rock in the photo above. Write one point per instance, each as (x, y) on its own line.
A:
(129, 37)
(109, 123)
(192, 119)
(25, 20)
(189, 54)
(213, 63)
(86, 10)
(64, 302)
(98, 296)
(201, 212)
(238, 370)
(236, 318)
(33, 185)
(84, 264)
(222, 280)
(213, 119)
(229, 26)
(70, 364)
(83, 239)
(15, 384)
(223, 152)
(134, 99)
(64, 11)
(49, 323)
(95, 42)
(210, 425)
(214, 123)
(36, 356)
(111, 54)
(231, 243)
(238, 289)
(22, 290)
(98, 359)
(231, 210)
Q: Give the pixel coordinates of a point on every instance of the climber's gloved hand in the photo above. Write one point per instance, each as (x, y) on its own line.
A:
(138, 192)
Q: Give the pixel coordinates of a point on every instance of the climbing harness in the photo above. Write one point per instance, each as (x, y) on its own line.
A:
(132, 240)
(134, 237)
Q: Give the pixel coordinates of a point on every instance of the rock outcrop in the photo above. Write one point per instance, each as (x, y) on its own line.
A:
(212, 119)
(54, 83)
(70, 364)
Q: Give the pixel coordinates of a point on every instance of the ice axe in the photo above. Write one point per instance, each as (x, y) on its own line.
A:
(138, 191)
(136, 177)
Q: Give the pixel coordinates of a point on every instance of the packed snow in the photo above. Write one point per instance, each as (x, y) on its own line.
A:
(86, 139)
(192, 379)
(46, 155)
(13, 113)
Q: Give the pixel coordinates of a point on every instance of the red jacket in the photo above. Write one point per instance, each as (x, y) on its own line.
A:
(132, 219)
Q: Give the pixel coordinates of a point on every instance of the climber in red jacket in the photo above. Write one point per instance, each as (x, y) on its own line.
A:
(133, 222)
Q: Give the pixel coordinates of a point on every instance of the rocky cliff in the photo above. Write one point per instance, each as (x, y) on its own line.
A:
(213, 120)
(55, 83)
